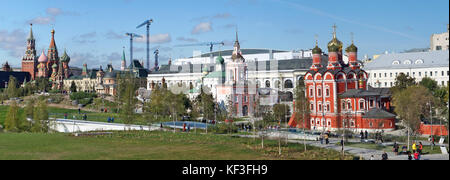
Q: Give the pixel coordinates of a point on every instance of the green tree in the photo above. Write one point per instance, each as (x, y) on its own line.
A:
(402, 82)
(40, 118)
(411, 105)
(29, 108)
(12, 120)
(302, 108)
(128, 98)
(12, 87)
(281, 111)
(73, 87)
(429, 83)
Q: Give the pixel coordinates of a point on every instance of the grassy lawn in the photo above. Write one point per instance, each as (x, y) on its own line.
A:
(151, 146)
(426, 149)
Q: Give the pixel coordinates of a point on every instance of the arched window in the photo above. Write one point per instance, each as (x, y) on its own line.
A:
(419, 61)
(327, 91)
(319, 91)
(288, 84)
(277, 84)
(396, 63)
(361, 104)
(407, 62)
(267, 84)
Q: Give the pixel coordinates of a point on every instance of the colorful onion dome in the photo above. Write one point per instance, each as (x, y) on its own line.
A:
(43, 58)
(65, 57)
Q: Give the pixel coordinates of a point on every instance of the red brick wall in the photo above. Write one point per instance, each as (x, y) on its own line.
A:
(437, 130)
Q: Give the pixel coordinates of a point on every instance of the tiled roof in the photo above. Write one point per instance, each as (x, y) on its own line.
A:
(358, 93)
(410, 60)
(378, 114)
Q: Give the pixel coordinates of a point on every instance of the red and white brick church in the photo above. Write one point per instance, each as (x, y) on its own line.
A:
(339, 95)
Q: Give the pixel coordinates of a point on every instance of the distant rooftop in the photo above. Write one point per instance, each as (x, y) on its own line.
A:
(410, 60)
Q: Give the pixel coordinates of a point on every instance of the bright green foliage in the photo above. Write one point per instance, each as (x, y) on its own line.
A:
(411, 104)
(40, 118)
(12, 120)
(128, 98)
(12, 87)
(280, 111)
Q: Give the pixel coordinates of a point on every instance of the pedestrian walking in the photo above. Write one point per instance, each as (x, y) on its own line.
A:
(109, 119)
(395, 149)
(416, 156)
(327, 141)
(432, 141)
(321, 138)
(414, 147)
(366, 135)
(372, 158)
(420, 148)
(362, 135)
(384, 156)
(65, 115)
(112, 119)
(410, 156)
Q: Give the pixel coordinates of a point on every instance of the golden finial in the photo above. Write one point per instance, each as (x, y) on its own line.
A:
(317, 39)
(334, 30)
(352, 36)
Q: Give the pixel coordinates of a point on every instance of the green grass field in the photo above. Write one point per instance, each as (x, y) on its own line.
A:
(150, 146)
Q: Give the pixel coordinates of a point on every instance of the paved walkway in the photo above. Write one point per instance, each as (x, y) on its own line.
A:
(367, 153)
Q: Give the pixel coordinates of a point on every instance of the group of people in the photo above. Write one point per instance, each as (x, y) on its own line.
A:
(246, 127)
(326, 137)
(364, 135)
(188, 129)
(110, 119)
(417, 150)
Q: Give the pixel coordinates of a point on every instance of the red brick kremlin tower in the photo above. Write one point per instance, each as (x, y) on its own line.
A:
(29, 60)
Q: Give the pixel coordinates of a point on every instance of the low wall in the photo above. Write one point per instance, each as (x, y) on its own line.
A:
(438, 130)
(71, 126)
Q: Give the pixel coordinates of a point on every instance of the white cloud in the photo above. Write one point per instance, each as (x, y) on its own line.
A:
(14, 43)
(202, 28)
(54, 11)
(42, 20)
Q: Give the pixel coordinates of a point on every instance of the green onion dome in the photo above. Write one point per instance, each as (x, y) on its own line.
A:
(333, 48)
(65, 57)
(220, 60)
(352, 48)
(317, 50)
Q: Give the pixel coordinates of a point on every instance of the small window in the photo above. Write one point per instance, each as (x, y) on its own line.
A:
(420, 61)
(407, 62)
(396, 63)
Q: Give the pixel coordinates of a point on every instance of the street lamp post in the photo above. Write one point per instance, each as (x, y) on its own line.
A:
(431, 118)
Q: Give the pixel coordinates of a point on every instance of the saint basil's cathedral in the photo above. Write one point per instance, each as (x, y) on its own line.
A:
(50, 66)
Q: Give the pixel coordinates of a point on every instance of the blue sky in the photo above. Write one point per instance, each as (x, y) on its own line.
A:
(92, 30)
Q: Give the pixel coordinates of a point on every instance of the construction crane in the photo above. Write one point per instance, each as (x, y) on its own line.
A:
(156, 60)
(132, 36)
(148, 23)
(210, 44)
